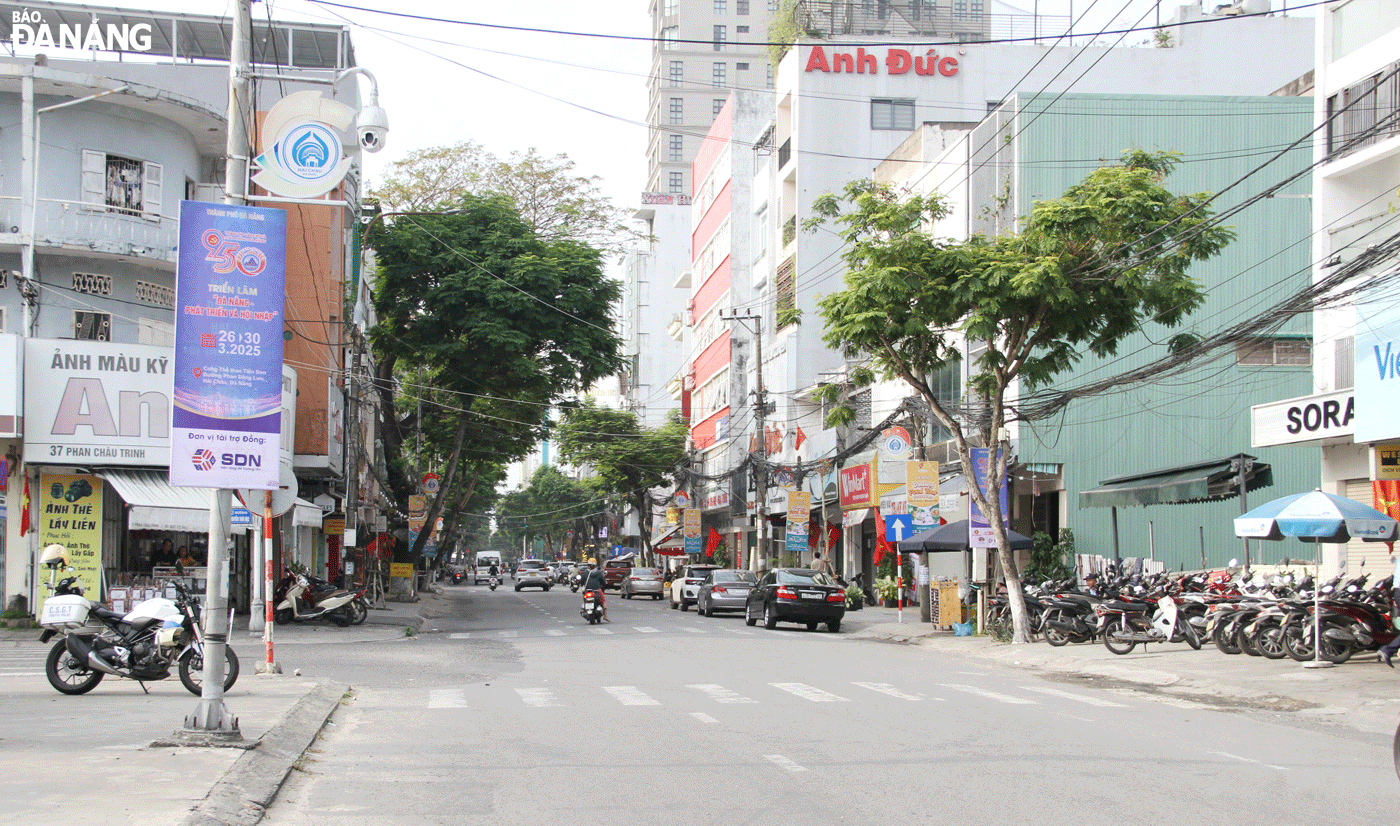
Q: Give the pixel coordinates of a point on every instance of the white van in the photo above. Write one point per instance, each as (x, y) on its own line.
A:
(484, 561)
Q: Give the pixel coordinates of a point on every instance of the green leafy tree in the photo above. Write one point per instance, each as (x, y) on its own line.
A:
(1086, 270)
(556, 203)
(550, 506)
(500, 323)
(625, 459)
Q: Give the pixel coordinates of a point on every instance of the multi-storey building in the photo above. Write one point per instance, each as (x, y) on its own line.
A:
(1348, 413)
(105, 146)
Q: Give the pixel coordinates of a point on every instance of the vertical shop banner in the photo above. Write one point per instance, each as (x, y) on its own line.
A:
(230, 295)
(922, 486)
(694, 543)
(799, 513)
(70, 514)
(978, 525)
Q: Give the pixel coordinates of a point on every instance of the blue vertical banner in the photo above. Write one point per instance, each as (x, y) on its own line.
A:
(979, 526)
(230, 297)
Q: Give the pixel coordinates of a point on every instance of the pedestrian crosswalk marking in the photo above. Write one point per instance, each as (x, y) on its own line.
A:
(737, 631)
(554, 632)
(886, 688)
(600, 630)
(704, 718)
(991, 695)
(784, 762)
(537, 697)
(1081, 698)
(510, 633)
(459, 636)
(693, 630)
(447, 698)
(646, 629)
(630, 695)
(720, 694)
(808, 692)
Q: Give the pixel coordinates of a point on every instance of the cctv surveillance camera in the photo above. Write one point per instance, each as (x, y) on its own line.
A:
(371, 127)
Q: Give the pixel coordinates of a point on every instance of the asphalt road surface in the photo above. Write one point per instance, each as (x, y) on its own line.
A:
(510, 710)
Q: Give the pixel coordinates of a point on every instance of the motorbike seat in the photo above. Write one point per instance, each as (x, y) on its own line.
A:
(1130, 607)
(104, 613)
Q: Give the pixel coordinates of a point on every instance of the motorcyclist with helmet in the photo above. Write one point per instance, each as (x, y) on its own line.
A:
(597, 584)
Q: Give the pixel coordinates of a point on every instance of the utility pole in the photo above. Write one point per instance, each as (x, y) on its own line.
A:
(211, 719)
(352, 460)
(759, 408)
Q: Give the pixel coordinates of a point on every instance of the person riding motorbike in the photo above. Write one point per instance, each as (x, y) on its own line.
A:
(596, 583)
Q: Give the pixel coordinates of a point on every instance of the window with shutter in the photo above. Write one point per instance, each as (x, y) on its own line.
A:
(785, 285)
(94, 186)
(150, 204)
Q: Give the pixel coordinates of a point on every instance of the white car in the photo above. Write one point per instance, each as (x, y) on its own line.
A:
(535, 573)
(685, 588)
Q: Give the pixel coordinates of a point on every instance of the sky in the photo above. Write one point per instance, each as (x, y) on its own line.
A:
(585, 97)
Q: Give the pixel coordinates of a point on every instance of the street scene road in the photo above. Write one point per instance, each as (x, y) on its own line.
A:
(508, 709)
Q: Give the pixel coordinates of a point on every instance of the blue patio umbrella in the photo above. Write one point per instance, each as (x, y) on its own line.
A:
(1316, 517)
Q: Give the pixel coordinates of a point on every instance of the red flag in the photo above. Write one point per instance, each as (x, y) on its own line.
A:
(1387, 496)
(882, 545)
(713, 542)
(24, 518)
(801, 437)
(753, 443)
(833, 534)
(814, 531)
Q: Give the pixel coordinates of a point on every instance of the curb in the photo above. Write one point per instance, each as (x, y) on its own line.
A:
(241, 797)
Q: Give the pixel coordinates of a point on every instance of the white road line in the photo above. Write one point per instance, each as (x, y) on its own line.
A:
(600, 630)
(509, 634)
(537, 697)
(808, 692)
(553, 632)
(779, 760)
(447, 698)
(720, 694)
(737, 631)
(21, 673)
(991, 695)
(886, 688)
(704, 718)
(1247, 760)
(1079, 698)
(459, 636)
(645, 629)
(689, 630)
(630, 695)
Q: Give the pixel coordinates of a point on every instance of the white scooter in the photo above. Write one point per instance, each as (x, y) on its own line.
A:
(493, 582)
(296, 604)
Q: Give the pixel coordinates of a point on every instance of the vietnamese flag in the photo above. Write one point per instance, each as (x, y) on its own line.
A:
(24, 517)
(713, 542)
(1387, 496)
(882, 544)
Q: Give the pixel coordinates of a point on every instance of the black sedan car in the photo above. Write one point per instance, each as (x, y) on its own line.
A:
(796, 595)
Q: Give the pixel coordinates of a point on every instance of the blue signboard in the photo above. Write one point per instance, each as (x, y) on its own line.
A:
(230, 295)
(899, 526)
(241, 516)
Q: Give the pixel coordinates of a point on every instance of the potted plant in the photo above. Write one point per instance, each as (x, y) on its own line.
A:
(855, 598)
(887, 590)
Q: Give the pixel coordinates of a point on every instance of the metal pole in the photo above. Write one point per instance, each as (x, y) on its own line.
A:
(760, 404)
(211, 716)
(1117, 558)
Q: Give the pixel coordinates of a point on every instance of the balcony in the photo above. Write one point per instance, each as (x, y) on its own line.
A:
(76, 226)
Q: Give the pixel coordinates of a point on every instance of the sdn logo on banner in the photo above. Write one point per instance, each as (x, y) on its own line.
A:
(306, 156)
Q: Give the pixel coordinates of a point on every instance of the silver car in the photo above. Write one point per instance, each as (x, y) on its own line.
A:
(686, 583)
(724, 590)
(642, 582)
(534, 573)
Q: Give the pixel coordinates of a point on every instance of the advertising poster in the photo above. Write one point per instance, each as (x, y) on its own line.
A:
(230, 294)
(1377, 363)
(857, 488)
(978, 525)
(894, 452)
(70, 514)
(694, 543)
(922, 486)
(799, 514)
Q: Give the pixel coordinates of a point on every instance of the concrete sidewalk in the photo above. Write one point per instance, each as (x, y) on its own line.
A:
(1361, 693)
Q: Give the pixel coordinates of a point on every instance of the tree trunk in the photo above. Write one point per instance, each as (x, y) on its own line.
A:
(435, 507)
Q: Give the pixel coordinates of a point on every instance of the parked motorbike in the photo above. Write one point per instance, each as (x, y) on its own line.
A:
(1125, 624)
(294, 603)
(140, 645)
(321, 590)
(592, 609)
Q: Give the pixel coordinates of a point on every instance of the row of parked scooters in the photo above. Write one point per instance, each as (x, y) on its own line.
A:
(1273, 617)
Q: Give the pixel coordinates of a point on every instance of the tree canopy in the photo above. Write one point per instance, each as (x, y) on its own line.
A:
(625, 459)
(500, 322)
(1086, 270)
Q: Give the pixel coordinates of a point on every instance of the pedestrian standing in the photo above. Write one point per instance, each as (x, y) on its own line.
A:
(821, 565)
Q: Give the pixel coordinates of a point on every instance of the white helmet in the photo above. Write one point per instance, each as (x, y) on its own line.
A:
(54, 554)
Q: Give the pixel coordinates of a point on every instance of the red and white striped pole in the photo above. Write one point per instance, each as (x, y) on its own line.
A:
(899, 581)
(268, 586)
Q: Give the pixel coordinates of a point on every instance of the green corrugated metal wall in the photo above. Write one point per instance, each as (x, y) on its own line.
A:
(1203, 414)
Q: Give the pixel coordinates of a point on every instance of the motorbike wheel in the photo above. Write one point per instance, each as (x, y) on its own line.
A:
(282, 616)
(1055, 636)
(192, 670)
(1246, 643)
(1395, 751)
(1298, 642)
(1335, 652)
(68, 675)
(1117, 625)
(359, 611)
(1224, 640)
(341, 616)
(1188, 631)
(1268, 639)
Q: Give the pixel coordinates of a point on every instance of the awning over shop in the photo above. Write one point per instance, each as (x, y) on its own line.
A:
(1201, 482)
(305, 514)
(155, 505)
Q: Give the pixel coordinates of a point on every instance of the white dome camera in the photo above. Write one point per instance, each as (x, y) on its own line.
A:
(371, 127)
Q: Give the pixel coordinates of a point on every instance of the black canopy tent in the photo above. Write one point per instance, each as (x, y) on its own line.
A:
(953, 537)
(1208, 481)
